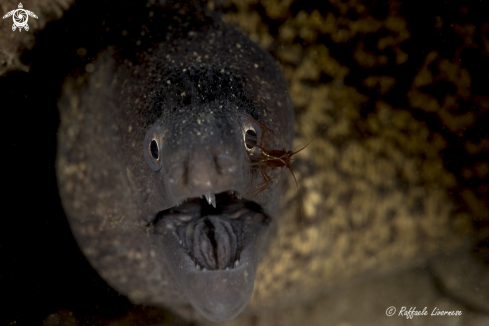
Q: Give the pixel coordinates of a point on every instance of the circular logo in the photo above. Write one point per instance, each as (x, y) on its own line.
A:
(390, 311)
(20, 17)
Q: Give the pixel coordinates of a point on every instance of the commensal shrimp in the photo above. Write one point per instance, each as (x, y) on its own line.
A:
(267, 159)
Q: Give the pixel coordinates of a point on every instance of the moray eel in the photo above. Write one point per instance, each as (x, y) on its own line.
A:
(154, 162)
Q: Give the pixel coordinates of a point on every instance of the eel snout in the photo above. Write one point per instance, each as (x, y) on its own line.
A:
(200, 169)
(214, 251)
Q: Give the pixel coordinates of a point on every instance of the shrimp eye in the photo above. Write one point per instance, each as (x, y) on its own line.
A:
(250, 139)
(154, 149)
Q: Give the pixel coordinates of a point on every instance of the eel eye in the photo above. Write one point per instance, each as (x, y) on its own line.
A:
(154, 149)
(251, 133)
(250, 139)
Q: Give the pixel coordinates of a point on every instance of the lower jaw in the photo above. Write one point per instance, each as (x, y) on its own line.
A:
(219, 288)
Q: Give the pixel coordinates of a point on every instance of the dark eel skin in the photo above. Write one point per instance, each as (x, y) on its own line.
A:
(151, 138)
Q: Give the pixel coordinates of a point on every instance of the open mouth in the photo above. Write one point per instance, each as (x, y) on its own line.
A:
(212, 245)
(211, 229)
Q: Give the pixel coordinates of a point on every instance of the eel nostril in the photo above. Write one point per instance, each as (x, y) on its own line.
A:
(176, 173)
(226, 164)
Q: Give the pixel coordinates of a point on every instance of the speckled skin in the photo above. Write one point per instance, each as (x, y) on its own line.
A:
(111, 195)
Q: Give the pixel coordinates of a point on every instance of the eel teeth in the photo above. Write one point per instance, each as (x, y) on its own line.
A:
(211, 199)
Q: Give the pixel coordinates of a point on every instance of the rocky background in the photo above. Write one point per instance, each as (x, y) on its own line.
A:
(401, 88)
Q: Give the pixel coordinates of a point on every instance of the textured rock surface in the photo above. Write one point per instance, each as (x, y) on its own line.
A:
(381, 189)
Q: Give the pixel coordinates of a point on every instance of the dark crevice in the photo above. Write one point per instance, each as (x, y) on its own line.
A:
(211, 233)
